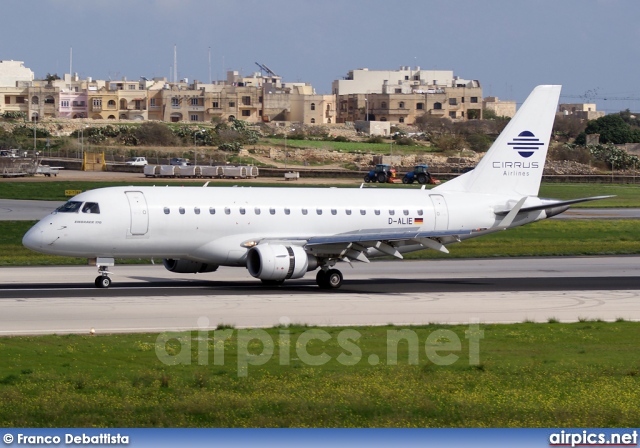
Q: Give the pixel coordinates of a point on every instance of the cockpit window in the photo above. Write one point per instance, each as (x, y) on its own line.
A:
(69, 207)
(91, 207)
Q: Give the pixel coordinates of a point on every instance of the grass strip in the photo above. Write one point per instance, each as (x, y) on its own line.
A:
(528, 375)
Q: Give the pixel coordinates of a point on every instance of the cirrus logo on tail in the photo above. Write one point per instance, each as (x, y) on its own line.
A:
(526, 143)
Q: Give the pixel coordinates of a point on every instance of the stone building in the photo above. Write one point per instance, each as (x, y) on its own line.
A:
(500, 108)
(402, 95)
(585, 111)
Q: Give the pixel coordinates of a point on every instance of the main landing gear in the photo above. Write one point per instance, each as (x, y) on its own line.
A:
(329, 278)
(103, 280)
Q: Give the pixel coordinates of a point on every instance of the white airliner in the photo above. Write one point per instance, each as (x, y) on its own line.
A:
(282, 233)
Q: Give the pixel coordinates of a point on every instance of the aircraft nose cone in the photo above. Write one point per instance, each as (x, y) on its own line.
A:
(33, 238)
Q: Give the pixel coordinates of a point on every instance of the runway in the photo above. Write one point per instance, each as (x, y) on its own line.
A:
(149, 298)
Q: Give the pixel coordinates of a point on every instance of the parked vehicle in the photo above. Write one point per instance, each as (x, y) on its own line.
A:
(381, 173)
(179, 161)
(137, 161)
(420, 174)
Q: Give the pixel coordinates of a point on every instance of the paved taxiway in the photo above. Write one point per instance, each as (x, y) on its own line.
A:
(149, 298)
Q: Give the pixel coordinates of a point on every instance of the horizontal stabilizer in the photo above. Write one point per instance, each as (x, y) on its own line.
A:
(551, 203)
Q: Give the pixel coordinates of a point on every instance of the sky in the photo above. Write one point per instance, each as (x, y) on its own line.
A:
(591, 47)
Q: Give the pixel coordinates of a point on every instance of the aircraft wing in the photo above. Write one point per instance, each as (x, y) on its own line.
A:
(355, 245)
(369, 235)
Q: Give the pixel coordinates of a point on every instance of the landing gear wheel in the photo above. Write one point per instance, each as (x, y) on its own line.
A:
(422, 179)
(334, 279)
(321, 279)
(331, 279)
(102, 281)
(382, 178)
(367, 179)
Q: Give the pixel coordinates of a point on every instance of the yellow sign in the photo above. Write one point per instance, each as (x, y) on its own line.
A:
(72, 192)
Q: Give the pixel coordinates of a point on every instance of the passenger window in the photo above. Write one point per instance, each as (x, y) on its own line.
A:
(348, 211)
(272, 211)
(334, 211)
(196, 210)
(212, 211)
(405, 212)
(242, 211)
(392, 212)
(287, 211)
(167, 210)
(69, 207)
(227, 211)
(319, 211)
(257, 210)
(304, 211)
(181, 210)
(91, 207)
(377, 212)
(363, 212)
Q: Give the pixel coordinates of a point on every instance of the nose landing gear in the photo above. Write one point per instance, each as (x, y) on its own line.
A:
(103, 280)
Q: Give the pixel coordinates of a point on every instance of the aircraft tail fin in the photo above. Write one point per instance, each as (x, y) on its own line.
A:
(515, 161)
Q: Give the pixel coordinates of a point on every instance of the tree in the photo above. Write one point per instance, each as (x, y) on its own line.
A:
(50, 78)
(449, 142)
(630, 118)
(612, 129)
(478, 142)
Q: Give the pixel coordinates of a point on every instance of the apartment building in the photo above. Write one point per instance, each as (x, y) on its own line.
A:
(402, 95)
(12, 72)
(43, 102)
(15, 99)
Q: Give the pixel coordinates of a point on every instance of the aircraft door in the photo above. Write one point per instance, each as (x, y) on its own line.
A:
(441, 212)
(139, 213)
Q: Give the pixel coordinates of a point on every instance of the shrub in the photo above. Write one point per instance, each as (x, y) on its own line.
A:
(478, 142)
(375, 139)
(405, 141)
(155, 134)
(574, 153)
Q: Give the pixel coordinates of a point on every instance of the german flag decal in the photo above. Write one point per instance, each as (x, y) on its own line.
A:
(417, 220)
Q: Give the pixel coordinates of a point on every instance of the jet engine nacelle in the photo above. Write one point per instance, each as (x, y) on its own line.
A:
(188, 266)
(279, 262)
